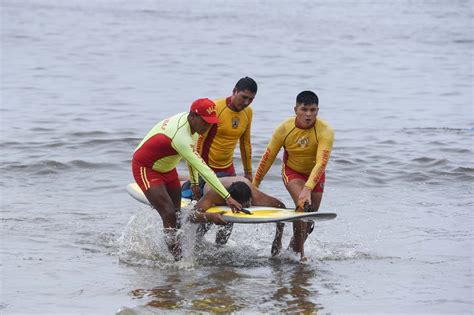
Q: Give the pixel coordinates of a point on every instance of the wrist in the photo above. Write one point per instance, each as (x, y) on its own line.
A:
(308, 188)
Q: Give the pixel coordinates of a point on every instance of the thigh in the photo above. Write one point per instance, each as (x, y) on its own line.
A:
(175, 194)
(294, 182)
(163, 203)
(159, 197)
(173, 187)
(317, 193)
(316, 200)
(295, 187)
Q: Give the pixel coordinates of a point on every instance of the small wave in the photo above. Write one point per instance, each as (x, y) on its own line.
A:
(42, 129)
(415, 177)
(341, 252)
(434, 129)
(438, 143)
(25, 146)
(45, 167)
(390, 142)
(461, 150)
(93, 142)
(433, 177)
(430, 162)
(88, 165)
(343, 162)
(464, 170)
(88, 134)
(80, 119)
(463, 41)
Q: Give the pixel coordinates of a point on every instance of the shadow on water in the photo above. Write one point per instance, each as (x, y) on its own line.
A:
(279, 286)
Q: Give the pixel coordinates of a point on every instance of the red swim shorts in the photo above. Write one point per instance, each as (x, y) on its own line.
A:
(224, 172)
(288, 174)
(147, 177)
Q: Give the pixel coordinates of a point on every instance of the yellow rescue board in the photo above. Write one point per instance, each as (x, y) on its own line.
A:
(258, 214)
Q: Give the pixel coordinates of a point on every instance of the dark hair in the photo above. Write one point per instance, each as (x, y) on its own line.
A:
(240, 191)
(306, 98)
(246, 84)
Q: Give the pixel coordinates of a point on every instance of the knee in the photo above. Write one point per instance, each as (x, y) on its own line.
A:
(168, 216)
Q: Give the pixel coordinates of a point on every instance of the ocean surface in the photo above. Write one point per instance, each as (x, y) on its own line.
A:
(82, 82)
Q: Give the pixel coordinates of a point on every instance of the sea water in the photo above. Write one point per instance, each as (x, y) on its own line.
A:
(82, 82)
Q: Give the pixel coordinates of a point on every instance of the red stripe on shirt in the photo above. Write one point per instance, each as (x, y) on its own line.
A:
(154, 149)
(206, 146)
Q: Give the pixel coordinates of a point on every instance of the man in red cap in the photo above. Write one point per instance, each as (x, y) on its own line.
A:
(154, 167)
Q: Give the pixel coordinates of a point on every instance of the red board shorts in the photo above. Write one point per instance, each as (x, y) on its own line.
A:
(224, 172)
(146, 177)
(288, 174)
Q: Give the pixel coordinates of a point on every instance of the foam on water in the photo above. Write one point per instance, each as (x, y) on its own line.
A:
(142, 244)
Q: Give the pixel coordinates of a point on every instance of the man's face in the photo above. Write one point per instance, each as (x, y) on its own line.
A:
(241, 99)
(200, 125)
(306, 114)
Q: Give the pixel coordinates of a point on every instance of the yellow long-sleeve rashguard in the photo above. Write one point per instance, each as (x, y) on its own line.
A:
(217, 145)
(307, 151)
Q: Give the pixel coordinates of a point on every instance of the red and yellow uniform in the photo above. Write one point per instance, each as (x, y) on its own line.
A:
(155, 159)
(306, 153)
(217, 145)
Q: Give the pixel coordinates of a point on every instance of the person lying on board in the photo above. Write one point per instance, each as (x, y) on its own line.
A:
(307, 141)
(242, 190)
(156, 157)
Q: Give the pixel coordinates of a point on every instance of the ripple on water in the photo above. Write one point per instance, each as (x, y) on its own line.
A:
(51, 167)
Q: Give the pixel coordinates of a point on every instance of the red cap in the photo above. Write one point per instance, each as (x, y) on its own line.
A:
(205, 108)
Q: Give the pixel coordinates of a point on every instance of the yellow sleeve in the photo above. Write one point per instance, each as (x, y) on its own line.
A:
(184, 145)
(325, 141)
(273, 147)
(196, 162)
(245, 144)
(193, 174)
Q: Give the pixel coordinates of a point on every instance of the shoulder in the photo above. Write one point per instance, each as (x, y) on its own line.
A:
(285, 128)
(286, 125)
(173, 122)
(180, 121)
(220, 103)
(248, 113)
(182, 128)
(323, 127)
(182, 118)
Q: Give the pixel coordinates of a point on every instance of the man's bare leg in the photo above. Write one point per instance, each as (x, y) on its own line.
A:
(276, 245)
(166, 203)
(301, 229)
(223, 234)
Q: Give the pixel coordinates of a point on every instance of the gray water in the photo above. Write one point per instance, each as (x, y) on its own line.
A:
(83, 81)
